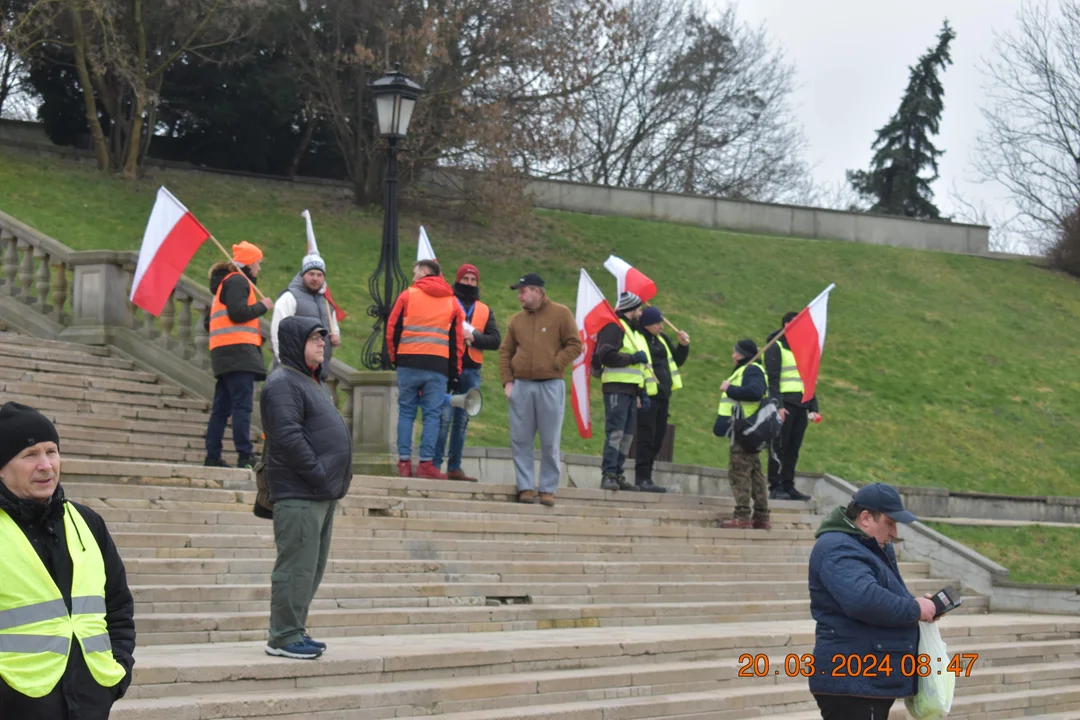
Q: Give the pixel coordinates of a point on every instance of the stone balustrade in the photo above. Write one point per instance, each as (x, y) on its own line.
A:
(51, 291)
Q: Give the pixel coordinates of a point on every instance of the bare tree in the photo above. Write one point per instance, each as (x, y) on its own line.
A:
(121, 50)
(1004, 236)
(1032, 142)
(696, 105)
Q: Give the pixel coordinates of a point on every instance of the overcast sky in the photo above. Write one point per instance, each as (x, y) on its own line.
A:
(852, 57)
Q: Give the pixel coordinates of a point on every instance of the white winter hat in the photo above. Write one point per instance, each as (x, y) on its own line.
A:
(312, 262)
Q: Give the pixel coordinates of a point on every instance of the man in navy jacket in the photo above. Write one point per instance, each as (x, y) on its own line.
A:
(862, 607)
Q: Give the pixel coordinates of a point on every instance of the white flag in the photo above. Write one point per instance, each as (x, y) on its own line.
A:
(312, 247)
(423, 250)
(592, 313)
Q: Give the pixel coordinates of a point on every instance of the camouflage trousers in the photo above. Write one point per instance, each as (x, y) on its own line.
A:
(747, 481)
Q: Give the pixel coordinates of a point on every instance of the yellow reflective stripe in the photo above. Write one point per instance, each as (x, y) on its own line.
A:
(423, 340)
(34, 644)
(423, 329)
(97, 643)
(38, 612)
(234, 329)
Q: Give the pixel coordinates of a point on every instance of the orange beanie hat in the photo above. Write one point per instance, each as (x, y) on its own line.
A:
(244, 253)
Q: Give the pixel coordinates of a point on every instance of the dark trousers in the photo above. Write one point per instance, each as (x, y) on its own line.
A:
(620, 421)
(782, 467)
(848, 707)
(234, 396)
(302, 533)
(651, 428)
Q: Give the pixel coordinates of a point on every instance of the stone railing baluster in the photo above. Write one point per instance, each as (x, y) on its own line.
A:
(59, 289)
(42, 281)
(10, 259)
(26, 272)
(202, 337)
(167, 320)
(345, 406)
(183, 325)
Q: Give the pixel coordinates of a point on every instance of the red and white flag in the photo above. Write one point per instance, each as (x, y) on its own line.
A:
(805, 336)
(629, 279)
(424, 250)
(172, 238)
(593, 312)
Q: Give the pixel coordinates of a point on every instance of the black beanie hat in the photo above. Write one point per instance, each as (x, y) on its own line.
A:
(747, 348)
(21, 426)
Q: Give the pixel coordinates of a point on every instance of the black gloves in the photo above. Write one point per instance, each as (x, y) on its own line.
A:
(452, 385)
(646, 403)
(639, 357)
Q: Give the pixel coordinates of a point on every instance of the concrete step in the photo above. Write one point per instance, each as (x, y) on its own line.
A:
(101, 396)
(229, 668)
(11, 338)
(72, 355)
(54, 368)
(195, 430)
(107, 407)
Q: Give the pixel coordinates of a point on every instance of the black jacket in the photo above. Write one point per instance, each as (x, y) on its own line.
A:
(234, 294)
(609, 342)
(489, 339)
(752, 390)
(310, 448)
(77, 696)
(658, 352)
(773, 361)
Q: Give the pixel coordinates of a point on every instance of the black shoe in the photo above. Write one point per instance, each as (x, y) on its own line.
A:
(623, 485)
(246, 461)
(793, 494)
(649, 486)
(609, 482)
(215, 462)
(777, 494)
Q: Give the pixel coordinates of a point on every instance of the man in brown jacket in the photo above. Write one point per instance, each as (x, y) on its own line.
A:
(541, 342)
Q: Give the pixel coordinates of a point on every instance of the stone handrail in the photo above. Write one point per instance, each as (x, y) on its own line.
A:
(83, 296)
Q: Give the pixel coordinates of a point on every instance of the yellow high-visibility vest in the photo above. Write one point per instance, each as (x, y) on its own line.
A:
(637, 374)
(676, 377)
(35, 626)
(790, 380)
(727, 405)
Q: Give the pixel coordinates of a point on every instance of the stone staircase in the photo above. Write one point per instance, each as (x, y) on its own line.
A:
(449, 599)
(104, 406)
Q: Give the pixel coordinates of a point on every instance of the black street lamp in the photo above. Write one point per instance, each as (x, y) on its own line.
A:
(395, 97)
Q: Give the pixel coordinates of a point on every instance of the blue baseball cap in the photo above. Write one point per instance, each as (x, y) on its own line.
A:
(883, 498)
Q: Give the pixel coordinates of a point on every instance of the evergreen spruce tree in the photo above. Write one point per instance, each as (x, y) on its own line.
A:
(904, 147)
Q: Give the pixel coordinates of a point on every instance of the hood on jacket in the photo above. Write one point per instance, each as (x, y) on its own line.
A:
(220, 270)
(435, 286)
(838, 521)
(293, 333)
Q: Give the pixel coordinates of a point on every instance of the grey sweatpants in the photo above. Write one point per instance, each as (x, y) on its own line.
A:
(302, 532)
(537, 406)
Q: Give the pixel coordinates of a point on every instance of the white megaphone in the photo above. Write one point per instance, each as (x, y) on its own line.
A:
(471, 402)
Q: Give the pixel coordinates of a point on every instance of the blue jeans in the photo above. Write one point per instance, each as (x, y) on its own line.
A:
(419, 390)
(234, 396)
(453, 423)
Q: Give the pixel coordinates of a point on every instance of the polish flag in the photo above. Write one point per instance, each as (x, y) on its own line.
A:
(423, 250)
(805, 336)
(172, 238)
(629, 279)
(593, 312)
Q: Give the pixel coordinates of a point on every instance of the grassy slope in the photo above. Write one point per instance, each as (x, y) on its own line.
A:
(1032, 553)
(939, 370)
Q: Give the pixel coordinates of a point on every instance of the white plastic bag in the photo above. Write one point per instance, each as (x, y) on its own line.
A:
(935, 696)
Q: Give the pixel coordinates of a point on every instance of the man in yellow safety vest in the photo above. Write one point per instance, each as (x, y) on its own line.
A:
(67, 619)
(786, 386)
(628, 382)
(666, 358)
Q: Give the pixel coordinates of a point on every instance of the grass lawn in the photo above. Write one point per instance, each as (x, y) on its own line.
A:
(939, 370)
(1032, 553)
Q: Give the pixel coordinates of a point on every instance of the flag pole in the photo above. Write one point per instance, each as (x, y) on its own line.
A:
(233, 263)
(670, 324)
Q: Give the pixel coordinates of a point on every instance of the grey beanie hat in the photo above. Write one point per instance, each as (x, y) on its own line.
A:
(627, 302)
(312, 262)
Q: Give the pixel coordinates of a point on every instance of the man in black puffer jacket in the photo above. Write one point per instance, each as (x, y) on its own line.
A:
(308, 469)
(32, 515)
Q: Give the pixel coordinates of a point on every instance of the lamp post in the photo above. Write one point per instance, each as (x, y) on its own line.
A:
(395, 98)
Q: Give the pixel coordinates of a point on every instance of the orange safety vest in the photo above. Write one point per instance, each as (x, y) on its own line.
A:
(224, 331)
(425, 329)
(481, 313)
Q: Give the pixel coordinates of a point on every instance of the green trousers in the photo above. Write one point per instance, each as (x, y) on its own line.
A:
(302, 530)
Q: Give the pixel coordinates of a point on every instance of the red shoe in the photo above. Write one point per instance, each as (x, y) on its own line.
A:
(427, 469)
(404, 468)
(737, 524)
(762, 525)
